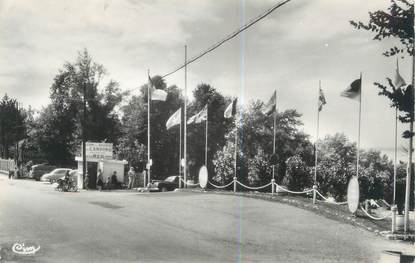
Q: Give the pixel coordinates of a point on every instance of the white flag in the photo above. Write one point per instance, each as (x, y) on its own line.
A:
(174, 119)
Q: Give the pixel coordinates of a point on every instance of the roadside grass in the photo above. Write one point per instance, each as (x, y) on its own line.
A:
(332, 211)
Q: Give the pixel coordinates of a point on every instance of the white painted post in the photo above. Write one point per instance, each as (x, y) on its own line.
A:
(234, 184)
(393, 210)
(273, 186)
(314, 194)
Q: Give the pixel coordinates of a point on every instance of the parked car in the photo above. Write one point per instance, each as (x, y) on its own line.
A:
(37, 170)
(168, 184)
(54, 175)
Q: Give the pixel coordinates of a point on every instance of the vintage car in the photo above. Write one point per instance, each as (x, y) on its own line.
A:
(168, 184)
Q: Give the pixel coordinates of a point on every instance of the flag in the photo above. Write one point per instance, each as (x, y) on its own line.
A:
(156, 94)
(198, 117)
(354, 90)
(174, 119)
(321, 99)
(271, 105)
(231, 109)
(399, 81)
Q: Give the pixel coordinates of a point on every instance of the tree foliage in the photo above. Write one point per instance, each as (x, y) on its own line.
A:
(396, 22)
(12, 125)
(60, 123)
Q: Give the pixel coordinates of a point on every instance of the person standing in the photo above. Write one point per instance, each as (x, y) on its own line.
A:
(86, 182)
(100, 180)
(131, 177)
(145, 177)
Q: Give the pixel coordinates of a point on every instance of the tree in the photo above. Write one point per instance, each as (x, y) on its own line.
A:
(164, 144)
(12, 126)
(59, 132)
(204, 95)
(256, 143)
(397, 22)
(337, 164)
(299, 175)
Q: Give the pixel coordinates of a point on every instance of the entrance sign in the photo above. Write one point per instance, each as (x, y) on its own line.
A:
(203, 176)
(99, 150)
(353, 194)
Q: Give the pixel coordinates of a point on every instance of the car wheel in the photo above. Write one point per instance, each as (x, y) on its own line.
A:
(164, 189)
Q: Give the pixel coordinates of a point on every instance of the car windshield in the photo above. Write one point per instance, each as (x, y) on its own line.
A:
(170, 179)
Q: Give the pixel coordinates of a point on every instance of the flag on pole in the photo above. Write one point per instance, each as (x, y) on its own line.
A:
(231, 109)
(399, 81)
(321, 99)
(354, 90)
(271, 105)
(198, 117)
(156, 94)
(174, 119)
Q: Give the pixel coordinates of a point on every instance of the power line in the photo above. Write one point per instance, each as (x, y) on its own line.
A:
(229, 37)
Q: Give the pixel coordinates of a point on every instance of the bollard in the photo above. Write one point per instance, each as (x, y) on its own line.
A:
(234, 184)
(272, 186)
(314, 194)
(393, 210)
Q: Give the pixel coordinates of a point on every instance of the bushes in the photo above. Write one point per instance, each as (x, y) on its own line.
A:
(299, 175)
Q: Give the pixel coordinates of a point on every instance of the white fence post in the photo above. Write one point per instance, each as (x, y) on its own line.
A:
(234, 184)
(393, 210)
(272, 186)
(314, 194)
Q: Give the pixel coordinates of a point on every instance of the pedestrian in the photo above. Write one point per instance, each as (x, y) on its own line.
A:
(131, 178)
(114, 181)
(100, 180)
(145, 177)
(108, 183)
(86, 182)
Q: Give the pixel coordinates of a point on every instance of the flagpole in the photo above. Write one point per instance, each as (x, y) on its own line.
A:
(206, 139)
(396, 145)
(317, 131)
(180, 151)
(185, 116)
(273, 144)
(148, 129)
(395, 156)
(411, 130)
(358, 135)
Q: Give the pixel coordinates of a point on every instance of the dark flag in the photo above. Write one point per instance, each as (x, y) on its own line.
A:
(271, 105)
(321, 100)
(354, 90)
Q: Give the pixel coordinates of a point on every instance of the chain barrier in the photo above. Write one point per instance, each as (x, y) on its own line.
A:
(372, 217)
(221, 187)
(386, 203)
(327, 200)
(254, 188)
(292, 192)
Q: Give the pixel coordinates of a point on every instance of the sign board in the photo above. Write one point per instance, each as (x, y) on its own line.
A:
(99, 150)
(353, 194)
(203, 177)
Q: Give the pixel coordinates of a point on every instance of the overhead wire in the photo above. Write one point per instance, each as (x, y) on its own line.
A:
(229, 37)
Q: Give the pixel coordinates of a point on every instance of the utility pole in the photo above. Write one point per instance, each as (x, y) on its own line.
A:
(84, 138)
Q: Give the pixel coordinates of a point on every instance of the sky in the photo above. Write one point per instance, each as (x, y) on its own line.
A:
(291, 50)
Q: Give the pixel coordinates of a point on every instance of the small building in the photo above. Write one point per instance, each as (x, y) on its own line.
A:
(99, 156)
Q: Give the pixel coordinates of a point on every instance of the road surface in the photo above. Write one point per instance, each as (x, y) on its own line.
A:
(91, 226)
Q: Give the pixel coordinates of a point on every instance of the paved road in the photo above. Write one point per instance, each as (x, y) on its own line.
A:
(171, 227)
